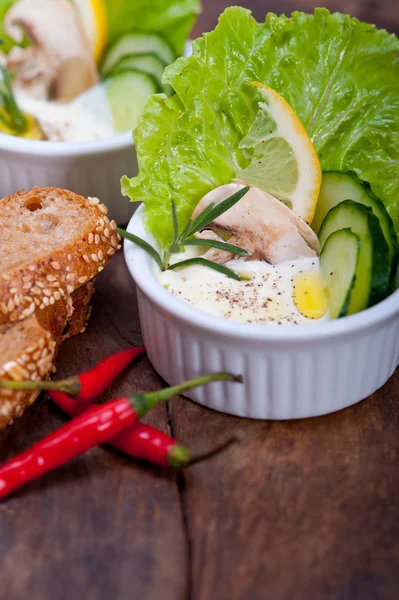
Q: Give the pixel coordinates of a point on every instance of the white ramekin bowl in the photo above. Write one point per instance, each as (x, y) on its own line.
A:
(289, 372)
(88, 168)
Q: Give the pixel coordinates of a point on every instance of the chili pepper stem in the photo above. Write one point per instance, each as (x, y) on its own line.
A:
(142, 403)
(180, 457)
(85, 386)
(71, 386)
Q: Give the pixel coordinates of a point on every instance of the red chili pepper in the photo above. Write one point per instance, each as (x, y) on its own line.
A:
(139, 440)
(90, 429)
(88, 385)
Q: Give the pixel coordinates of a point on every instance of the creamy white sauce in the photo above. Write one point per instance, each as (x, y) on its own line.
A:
(66, 122)
(265, 297)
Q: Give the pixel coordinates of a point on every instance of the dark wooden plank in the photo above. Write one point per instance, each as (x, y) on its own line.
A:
(103, 526)
(301, 509)
(298, 510)
(384, 13)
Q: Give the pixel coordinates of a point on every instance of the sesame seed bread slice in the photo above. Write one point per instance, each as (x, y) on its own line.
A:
(28, 347)
(52, 242)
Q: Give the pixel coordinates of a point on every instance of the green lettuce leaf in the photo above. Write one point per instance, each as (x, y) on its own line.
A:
(7, 42)
(341, 77)
(173, 19)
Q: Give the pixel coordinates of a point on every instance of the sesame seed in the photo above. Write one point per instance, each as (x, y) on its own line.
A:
(16, 300)
(111, 252)
(46, 292)
(27, 285)
(86, 258)
(103, 209)
(106, 232)
(102, 222)
(91, 237)
(119, 247)
(100, 269)
(57, 295)
(13, 290)
(32, 267)
(52, 300)
(94, 257)
(70, 289)
(40, 284)
(51, 278)
(100, 254)
(97, 239)
(69, 257)
(10, 305)
(113, 224)
(55, 265)
(3, 308)
(82, 279)
(71, 277)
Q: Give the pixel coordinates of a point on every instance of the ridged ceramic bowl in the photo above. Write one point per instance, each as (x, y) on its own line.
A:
(289, 372)
(89, 168)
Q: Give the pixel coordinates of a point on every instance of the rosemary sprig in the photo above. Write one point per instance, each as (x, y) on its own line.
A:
(185, 238)
(198, 260)
(216, 244)
(143, 244)
(213, 211)
(10, 114)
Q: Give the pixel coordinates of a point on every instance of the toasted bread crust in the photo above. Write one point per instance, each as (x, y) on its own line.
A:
(38, 284)
(35, 360)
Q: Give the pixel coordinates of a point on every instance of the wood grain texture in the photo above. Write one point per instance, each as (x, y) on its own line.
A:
(303, 510)
(384, 13)
(103, 526)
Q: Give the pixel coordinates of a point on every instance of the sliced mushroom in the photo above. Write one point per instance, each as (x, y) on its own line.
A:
(259, 223)
(59, 64)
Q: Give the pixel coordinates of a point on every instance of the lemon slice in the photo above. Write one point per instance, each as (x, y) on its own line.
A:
(93, 16)
(284, 162)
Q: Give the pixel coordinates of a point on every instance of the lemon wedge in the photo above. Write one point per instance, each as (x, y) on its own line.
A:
(93, 17)
(284, 162)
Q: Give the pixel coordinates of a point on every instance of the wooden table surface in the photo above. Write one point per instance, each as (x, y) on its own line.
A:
(299, 510)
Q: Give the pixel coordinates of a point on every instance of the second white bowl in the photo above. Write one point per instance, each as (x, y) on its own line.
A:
(289, 372)
(87, 168)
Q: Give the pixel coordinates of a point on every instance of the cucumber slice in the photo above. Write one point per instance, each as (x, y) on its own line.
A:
(337, 187)
(127, 94)
(137, 43)
(372, 274)
(339, 261)
(146, 63)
